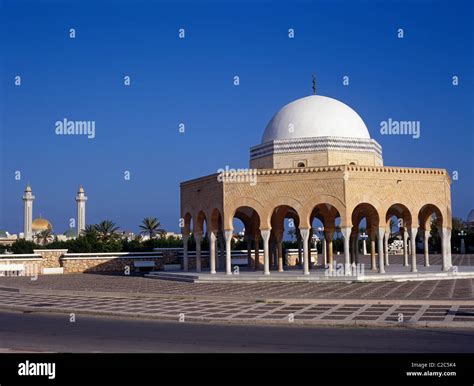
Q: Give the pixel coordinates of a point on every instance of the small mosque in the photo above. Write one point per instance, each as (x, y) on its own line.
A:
(317, 161)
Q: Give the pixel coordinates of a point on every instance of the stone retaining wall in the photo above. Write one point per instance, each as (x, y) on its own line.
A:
(117, 262)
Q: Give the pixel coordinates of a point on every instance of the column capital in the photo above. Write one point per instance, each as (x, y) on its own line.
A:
(228, 233)
(265, 234)
(346, 231)
(305, 233)
(198, 236)
(381, 232)
(212, 234)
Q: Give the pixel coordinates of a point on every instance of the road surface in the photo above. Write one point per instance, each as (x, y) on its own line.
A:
(44, 332)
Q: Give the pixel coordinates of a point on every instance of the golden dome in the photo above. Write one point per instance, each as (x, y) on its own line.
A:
(40, 224)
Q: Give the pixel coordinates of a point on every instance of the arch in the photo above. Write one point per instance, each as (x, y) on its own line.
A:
(321, 199)
(187, 221)
(283, 201)
(230, 211)
(367, 211)
(249, 217)
(199, 223)
(280, 213)
(401, 212)
(215, 220)
(425, 213)
(326, 213)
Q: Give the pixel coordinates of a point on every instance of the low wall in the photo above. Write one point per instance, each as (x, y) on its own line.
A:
(33, 263)
(117, 262)
(291, 256)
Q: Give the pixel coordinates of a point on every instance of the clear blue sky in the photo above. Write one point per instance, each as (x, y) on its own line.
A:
(191, 81)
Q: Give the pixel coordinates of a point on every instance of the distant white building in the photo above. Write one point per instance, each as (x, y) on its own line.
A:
(6, 238)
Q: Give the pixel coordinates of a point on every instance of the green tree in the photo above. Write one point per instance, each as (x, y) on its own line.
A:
(150, 226)
(44, 237)
(23, 246)
(107, 230)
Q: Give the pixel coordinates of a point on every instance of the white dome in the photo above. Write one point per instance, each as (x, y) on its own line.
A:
(315, 116)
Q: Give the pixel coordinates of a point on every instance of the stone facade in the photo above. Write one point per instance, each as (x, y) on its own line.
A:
(51, 257)
(348, 192)
(342, 187)
(89, 262)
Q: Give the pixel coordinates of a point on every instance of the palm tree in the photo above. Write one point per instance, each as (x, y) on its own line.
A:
(150, 226)
(90, 230)
(106, 229)
(44, 237)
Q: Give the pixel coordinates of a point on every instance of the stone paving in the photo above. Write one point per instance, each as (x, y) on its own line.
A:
(336, 312)
(437, 303)
(433, 289)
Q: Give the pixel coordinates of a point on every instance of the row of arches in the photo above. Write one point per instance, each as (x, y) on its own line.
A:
(327, 217)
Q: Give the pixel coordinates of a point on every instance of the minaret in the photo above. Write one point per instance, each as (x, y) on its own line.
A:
(81, 211)
(28, 213)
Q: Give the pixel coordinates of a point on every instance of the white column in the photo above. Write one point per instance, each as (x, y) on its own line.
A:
(385, 245)
(305, 237)
(228, 253)
(266, 251)
(28, 213)
(212, 251)
(81, 211)
(405, 247)
(449, 259)
(346, 233)
(185, 251)
(413, 232)
(373, 261)
(364, 246)
(381, 234)
(426, 249)
(446, 249)
(198, 239)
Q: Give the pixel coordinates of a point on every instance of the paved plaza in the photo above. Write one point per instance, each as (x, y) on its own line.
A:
(95, 284)
(436, 303)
